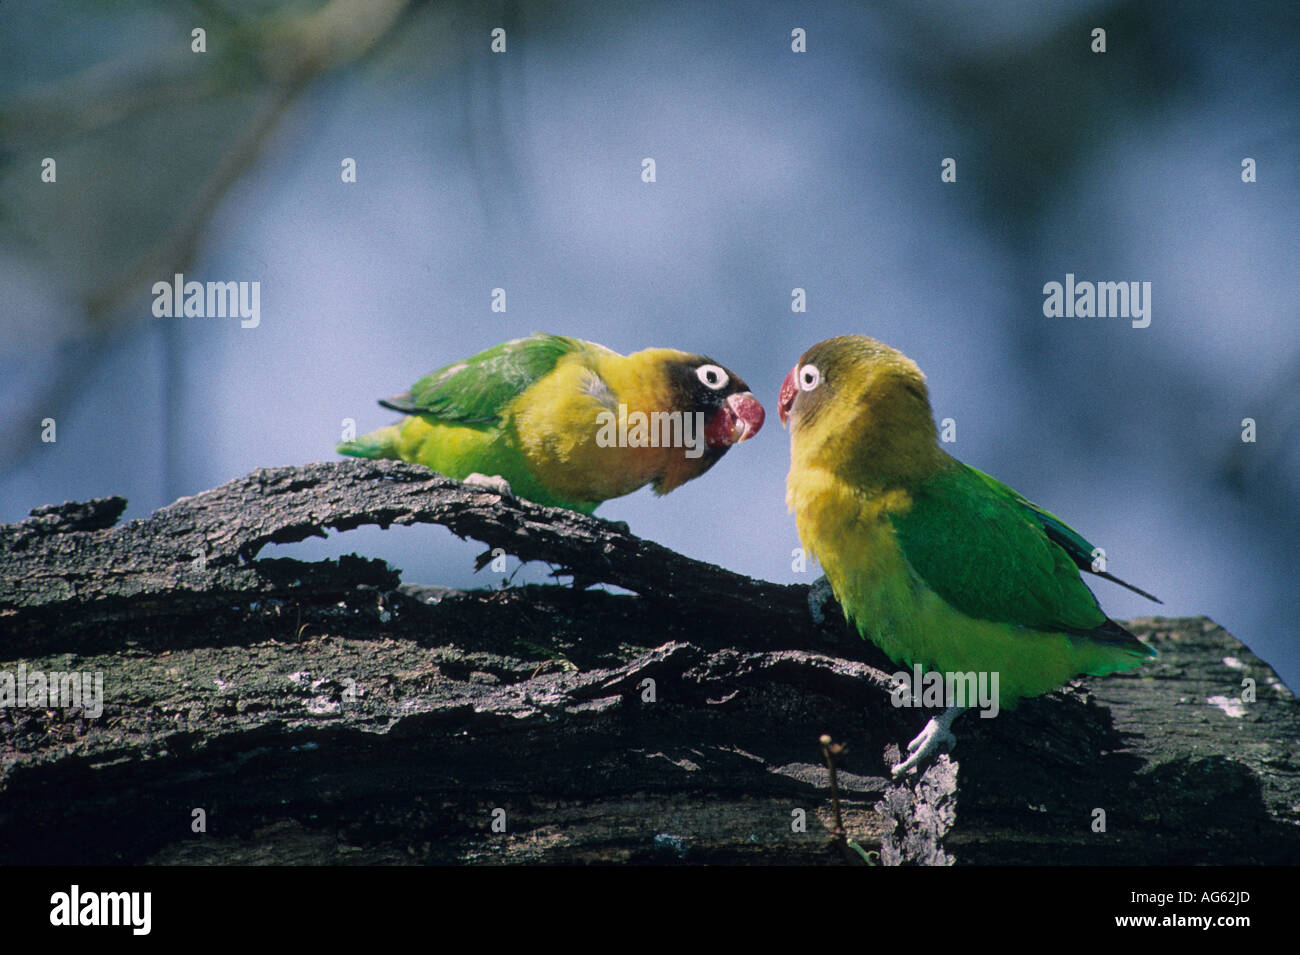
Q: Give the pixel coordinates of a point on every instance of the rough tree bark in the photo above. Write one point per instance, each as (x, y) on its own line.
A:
(327, 713)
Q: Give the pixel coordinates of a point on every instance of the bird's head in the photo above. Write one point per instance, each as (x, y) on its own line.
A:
(859, 408)
(698, 385)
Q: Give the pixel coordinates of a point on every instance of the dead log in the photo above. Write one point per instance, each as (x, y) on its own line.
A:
(327, 713)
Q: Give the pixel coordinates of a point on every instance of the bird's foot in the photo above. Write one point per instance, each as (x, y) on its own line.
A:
(819, 595)
(936, 735)
(494, 482)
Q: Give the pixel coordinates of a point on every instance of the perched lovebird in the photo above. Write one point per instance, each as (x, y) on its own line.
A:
(569, 423)
(937, 563)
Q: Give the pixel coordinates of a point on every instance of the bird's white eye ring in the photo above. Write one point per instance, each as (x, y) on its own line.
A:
(712, 376)
(809, 377)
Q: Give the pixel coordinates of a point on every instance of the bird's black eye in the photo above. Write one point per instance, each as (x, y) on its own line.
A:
(809, 377)
(712, 376)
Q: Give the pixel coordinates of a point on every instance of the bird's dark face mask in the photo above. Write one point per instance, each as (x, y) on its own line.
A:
(731, 412)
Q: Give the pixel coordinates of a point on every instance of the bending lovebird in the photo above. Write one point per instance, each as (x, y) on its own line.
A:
(937, 563)
(569, 423)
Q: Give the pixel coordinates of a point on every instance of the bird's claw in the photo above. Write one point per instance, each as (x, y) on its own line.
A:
(819, 595)
(927, 744)
(494, 482)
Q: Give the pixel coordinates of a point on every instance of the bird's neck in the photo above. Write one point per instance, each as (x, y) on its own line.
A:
(874, 459)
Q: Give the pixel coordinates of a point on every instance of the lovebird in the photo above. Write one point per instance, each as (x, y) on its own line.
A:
(937, 563)
(569, 423)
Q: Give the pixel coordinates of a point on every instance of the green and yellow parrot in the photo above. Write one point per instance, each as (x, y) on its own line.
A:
(937, 563)
(568, 423)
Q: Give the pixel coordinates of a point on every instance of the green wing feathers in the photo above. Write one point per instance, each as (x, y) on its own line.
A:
(477, 390)
(995, 556)
(1061, 533)
(454, 417)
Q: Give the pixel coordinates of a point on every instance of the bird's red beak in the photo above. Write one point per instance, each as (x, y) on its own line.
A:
(737, 420)
(789, 391)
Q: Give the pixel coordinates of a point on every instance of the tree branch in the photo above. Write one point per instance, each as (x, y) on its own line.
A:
(325, 712)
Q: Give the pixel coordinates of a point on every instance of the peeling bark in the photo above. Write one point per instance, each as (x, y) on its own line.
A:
(327, 713)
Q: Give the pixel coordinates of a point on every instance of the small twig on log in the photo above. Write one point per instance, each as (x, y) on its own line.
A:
(839, 835)
(829, 752)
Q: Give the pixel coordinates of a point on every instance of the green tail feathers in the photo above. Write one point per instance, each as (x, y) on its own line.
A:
(376, 444)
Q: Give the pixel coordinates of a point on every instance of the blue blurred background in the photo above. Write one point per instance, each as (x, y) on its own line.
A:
(776, 170)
